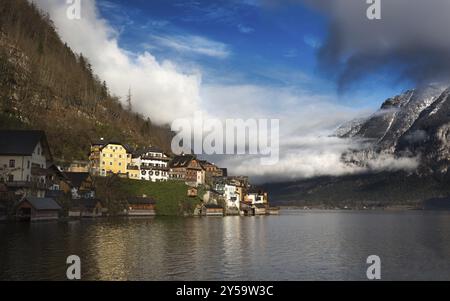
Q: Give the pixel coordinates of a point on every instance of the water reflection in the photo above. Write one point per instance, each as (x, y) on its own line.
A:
(296, 245)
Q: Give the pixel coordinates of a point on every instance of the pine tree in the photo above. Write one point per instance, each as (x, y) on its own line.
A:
(129, 105)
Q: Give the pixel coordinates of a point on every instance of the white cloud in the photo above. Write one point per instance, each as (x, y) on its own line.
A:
(245, 29)
(194, 45)
(306, 120)
(160, 90)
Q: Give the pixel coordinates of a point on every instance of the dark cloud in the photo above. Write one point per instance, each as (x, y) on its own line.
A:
(412, 39)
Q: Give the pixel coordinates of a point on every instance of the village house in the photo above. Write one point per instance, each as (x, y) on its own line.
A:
(232, 199)
(192, 192)
(211, 170)
(141, 206)
(37, 209)
(90, 208)
(82, 185)
(24, 158)
(57, 180)
(212, 210)
(185, 168)
(108, 158)
(154, 165)
(256, 196)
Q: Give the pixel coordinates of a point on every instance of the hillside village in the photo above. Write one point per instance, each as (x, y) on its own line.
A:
(34, 188)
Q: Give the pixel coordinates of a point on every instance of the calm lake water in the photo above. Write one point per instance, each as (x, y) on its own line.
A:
(297, 245)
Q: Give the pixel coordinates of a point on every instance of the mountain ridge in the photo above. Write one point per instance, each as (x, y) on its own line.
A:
(413, 125)
(45, 85)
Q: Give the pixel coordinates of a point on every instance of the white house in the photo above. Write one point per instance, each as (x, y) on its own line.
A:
(154, 165)
(24, 158)
(232, 198)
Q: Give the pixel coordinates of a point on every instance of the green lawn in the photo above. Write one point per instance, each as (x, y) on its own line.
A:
(171, 197)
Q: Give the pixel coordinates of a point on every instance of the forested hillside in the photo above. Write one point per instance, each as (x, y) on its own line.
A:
(45, 85)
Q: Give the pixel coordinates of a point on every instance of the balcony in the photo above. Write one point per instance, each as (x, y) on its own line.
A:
(156, 158)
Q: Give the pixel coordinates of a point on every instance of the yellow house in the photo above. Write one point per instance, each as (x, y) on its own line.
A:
(109, 158)
(134, 172)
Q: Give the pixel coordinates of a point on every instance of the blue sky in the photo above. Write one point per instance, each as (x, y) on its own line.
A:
(241, 42)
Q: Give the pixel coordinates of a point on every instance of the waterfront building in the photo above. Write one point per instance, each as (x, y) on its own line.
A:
(141, 206)
(24, 158)
(256, 196)
(232, 199)
(212, 210)
(81, 208)
(37, 209)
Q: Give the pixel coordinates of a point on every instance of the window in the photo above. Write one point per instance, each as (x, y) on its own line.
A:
(12, 163)
(120, 163)
(111, 156)
(11, 178)
(28, 164)
(110, 163)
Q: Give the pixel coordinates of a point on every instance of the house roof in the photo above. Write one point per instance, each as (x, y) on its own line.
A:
(141, 200)
(214, 191)
(57, 171)
(104, 143)
(42, 203)
(86, 203)
(153, 149)
(181, 161)
(21, 143)
(77, 178)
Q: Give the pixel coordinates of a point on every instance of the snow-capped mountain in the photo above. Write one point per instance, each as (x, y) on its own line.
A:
(413, 124)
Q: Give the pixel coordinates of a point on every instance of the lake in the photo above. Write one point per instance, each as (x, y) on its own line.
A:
(296, 245)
